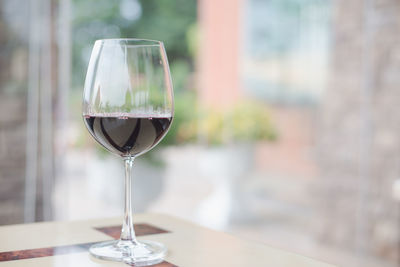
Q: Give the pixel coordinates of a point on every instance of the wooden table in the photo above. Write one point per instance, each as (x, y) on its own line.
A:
(65, 244)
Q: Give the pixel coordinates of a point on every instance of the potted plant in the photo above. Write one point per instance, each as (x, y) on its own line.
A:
(217, 150)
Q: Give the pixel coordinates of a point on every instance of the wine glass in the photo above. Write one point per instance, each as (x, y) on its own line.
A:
(128, 108)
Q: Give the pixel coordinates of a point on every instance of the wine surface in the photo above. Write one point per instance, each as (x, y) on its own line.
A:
(125, 135)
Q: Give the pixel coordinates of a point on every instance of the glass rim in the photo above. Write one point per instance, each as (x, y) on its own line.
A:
(131, 42)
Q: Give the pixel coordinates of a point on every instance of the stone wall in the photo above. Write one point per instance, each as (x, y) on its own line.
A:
(359, 141)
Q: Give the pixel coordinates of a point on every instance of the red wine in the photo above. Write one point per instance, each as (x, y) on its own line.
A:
(127, 135)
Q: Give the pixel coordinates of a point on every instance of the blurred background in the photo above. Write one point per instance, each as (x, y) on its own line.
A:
(286, 126)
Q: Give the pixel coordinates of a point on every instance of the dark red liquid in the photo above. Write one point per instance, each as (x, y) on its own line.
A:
(127, 136)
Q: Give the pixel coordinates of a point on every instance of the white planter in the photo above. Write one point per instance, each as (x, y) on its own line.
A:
(201, 182)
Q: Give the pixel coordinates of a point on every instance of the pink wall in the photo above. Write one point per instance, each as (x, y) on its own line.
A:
(218, 62)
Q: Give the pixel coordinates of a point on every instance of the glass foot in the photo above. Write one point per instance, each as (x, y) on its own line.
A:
(137, 253)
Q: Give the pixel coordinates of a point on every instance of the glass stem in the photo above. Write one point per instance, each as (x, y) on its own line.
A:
(128, 232)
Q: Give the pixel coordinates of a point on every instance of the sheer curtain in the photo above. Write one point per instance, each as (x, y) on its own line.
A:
(34, 82)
